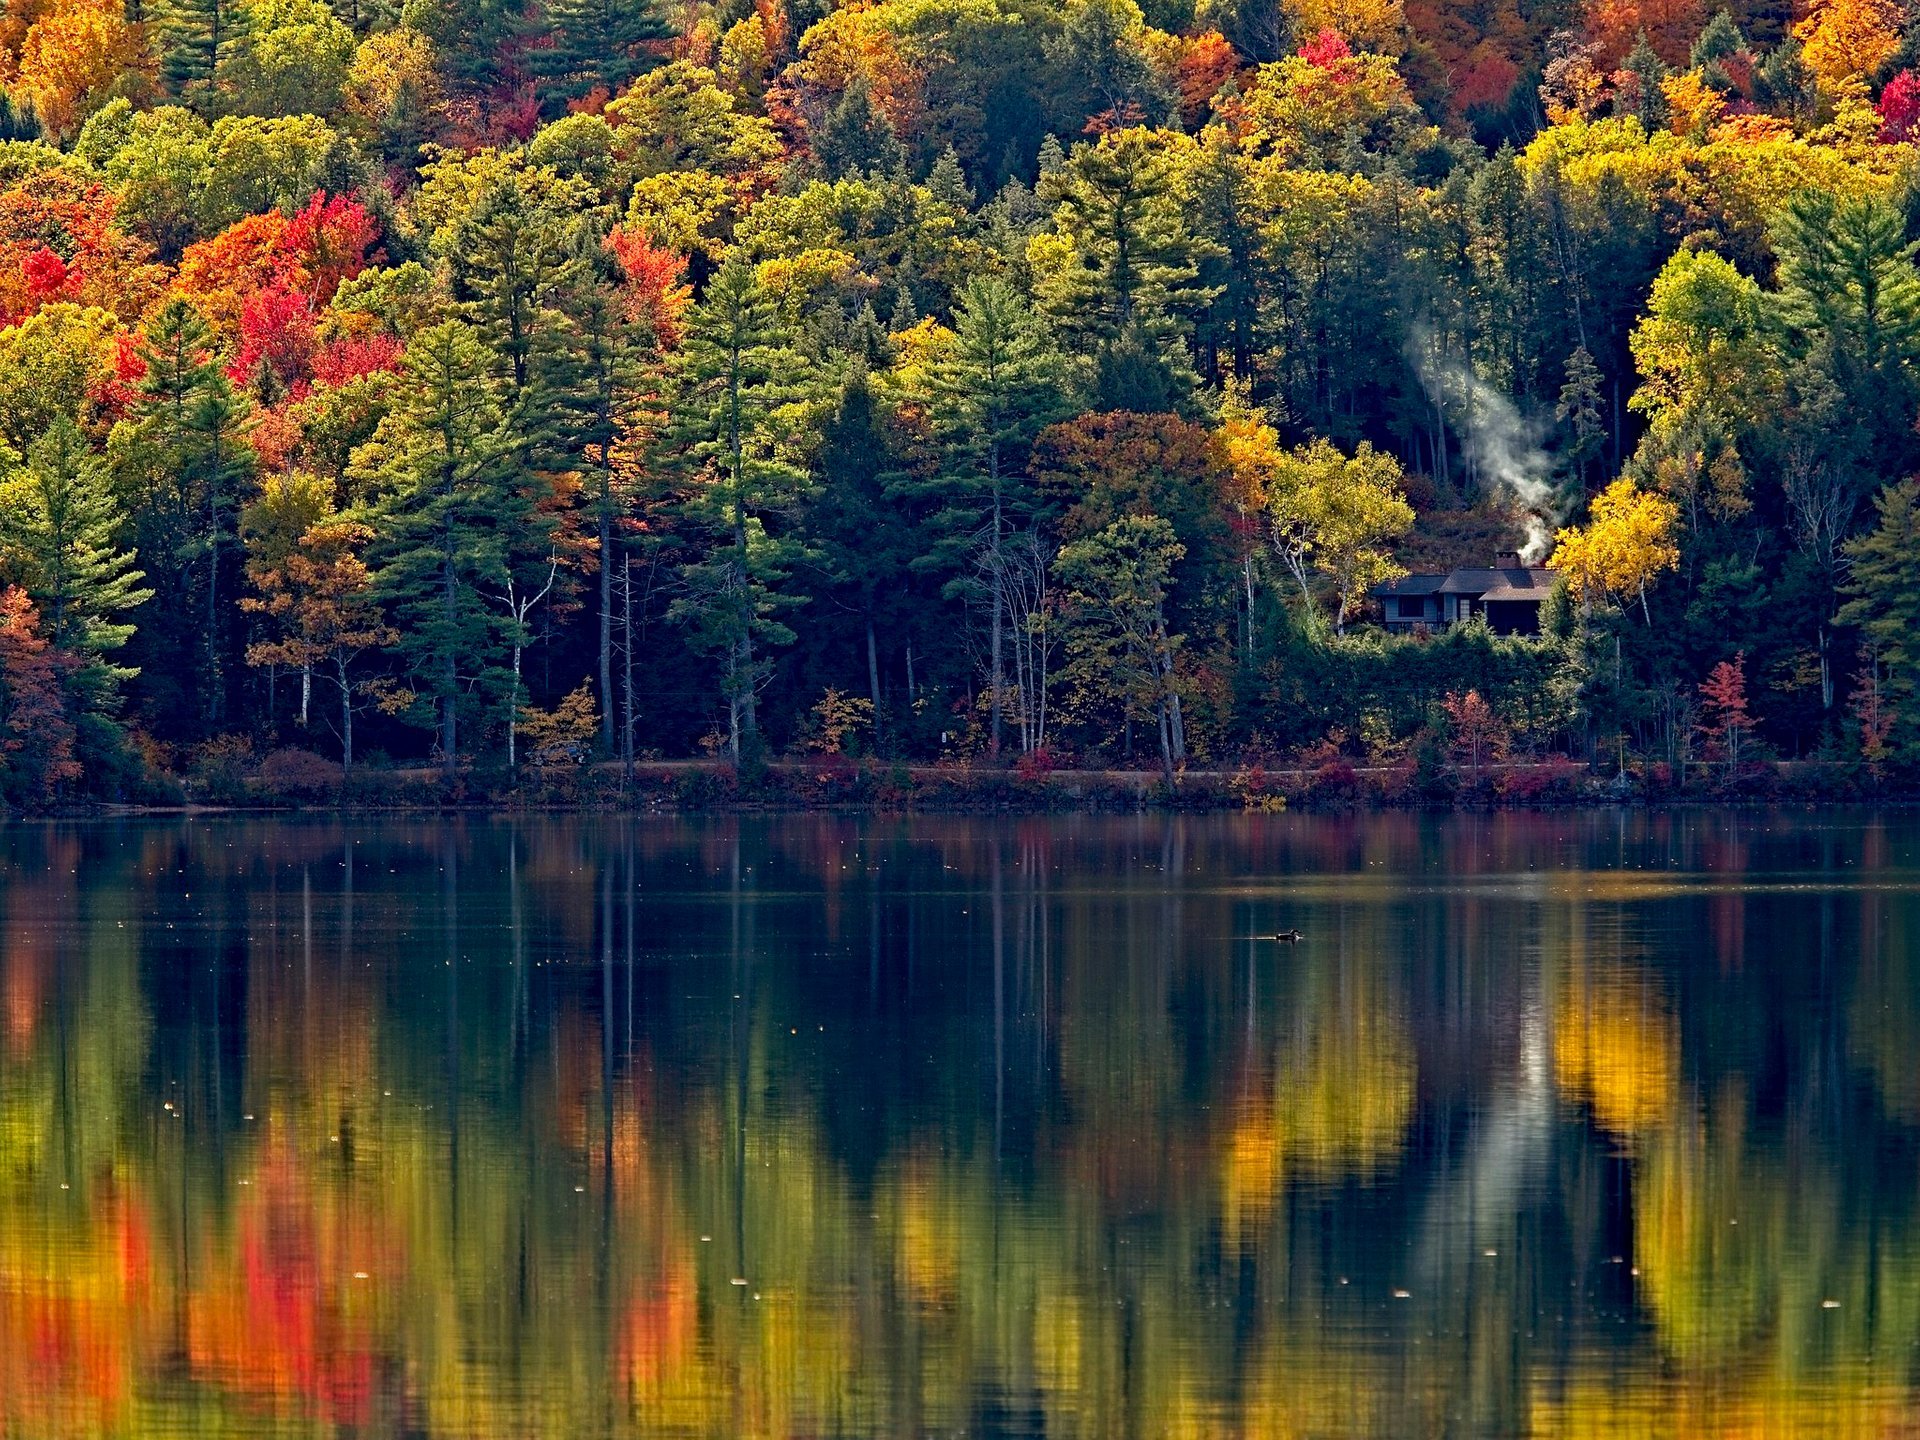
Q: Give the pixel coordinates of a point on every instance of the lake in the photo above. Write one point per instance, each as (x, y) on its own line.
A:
(1585, 1124)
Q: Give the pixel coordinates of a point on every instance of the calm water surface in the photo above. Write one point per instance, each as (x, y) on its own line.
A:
(1585, 1125)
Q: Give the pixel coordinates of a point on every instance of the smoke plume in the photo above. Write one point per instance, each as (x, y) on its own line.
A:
(1501, 447)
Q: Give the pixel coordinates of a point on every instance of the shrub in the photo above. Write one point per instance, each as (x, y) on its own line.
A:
(219, 768)
(292, 774)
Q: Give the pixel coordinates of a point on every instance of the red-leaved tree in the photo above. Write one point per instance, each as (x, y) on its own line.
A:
(1724, 717)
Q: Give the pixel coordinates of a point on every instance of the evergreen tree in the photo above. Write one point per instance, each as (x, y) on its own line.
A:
(991, 395)
(446, 513)
(735, 368)
(593, 374)
(596, 45)
(191, 461)
(1885, 604)
(1124, 274)
(58, 538)
(857, 525)
(196, 37)
(855, 137)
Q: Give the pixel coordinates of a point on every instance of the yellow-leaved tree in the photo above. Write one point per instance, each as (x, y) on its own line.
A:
(1334, 514)
(1628, 540)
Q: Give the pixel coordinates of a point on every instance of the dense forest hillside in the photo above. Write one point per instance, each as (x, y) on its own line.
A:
(496, 383)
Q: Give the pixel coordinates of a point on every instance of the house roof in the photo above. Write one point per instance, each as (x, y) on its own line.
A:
(1514, 582)
(1518, 583)
(1411, 585)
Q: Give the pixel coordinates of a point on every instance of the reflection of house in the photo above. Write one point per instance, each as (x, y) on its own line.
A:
(1508, 594)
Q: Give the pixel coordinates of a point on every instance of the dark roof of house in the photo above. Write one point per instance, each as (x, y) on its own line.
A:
(1519, 583)
(1412, 585)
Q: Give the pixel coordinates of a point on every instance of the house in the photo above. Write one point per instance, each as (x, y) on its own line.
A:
(1507, 593)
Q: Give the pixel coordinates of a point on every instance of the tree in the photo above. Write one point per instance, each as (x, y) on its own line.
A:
(1627, 543)
(36, 733)
(446, 511)
(1117, 642)
(290, 58)
(862, 536)
(1478, 733)
(1724, 718)
(1884, 604)
(1332, 514)
(196, 39)
(733, 372)
(595, 373)
(58, 537)
(315, 590)
(597, 45)
(188, 461)
(1580, 410)
(989, 394)
(1120, 270)
(1850, 39)
(70, 59)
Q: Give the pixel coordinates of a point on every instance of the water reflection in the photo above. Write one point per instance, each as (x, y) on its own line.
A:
(1565, 1125)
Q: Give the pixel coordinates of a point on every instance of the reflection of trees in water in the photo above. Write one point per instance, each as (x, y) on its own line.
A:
(1009, 1129)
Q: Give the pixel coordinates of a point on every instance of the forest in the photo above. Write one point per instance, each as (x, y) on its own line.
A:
(502, 385)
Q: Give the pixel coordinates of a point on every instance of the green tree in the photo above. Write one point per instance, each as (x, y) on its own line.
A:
(59, 529)
(862, 535)
(990, 395)
(1884, 604)
(733, 371)
(596, 45)
(1117, 643)
(188, 464)
(1120, 270)
(446, 513)
(291, 58)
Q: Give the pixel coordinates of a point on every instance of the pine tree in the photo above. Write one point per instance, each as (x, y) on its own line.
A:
(1126, 282)
(591, 374)
(507, 257)
(855, 137)
(193, 462)
(446, 513)
(1580, 410)
(196, 37)
(858, 527)
(1884, 586)
(58, 535)
(990, 396)
(735, 369)
(596, 45)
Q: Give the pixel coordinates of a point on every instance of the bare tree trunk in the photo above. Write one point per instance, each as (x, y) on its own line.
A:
(606, 618)
(626, 663)
(346, 720)
(873, 682)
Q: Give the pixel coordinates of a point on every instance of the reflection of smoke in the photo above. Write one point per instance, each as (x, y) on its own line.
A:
(1501, 446)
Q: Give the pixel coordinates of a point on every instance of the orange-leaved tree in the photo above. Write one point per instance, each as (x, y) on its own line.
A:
(36, 732)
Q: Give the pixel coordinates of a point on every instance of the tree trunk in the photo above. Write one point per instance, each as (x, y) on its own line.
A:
(346, 720)
(873, 682)
(999, 613)
(626, 665)
(513, 713)
(306, 691)
(449, 672)
(606, 617)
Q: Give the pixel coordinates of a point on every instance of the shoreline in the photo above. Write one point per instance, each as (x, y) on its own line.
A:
(840, 785)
